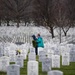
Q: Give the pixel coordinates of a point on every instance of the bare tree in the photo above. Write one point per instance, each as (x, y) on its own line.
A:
(55, 13)
(61, 15)
(43, 14)
(16, 8)
(71, 11)
(1, 11)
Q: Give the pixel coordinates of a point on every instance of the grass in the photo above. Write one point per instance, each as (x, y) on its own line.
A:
(67, 70)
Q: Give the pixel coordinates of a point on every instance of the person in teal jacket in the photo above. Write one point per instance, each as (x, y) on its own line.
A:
(39, 41)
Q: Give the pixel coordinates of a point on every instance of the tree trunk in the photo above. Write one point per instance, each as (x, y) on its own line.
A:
(65, 33)
(8, 23)
(25, 23)
(52, 32)
(0, 22)
(60, 35)
(17, 23)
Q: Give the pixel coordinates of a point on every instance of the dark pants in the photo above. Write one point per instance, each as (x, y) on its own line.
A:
(36, 50)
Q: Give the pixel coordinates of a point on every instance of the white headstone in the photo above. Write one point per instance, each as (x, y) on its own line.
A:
(50, 53)
(12, 57)
(24, 53)
(4, 63)
(64, 49)
(70, 46)
(32, 68)
(72, 56)
(57, 51)
(40, 49)
(32, 50)
(0, 65)
(31, 56)
(20, 61)
(55, 61)
(46, 65)
(65, 59)
(6, 51)
(55, 72)
(1, 52)
(13, 70)
(1, 49)
(42, 56)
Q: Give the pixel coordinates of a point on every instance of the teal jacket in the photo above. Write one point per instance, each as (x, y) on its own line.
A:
(40, 42)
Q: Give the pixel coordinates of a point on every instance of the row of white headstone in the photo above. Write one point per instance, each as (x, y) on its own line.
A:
(8, 54)
(24, 38)
(55, 61)
(32, 69)
(5, 62)
(47, 63)
(63, 49)
(32, 66)
(9, 49)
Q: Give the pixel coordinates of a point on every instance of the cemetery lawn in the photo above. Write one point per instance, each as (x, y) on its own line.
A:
(67, 70)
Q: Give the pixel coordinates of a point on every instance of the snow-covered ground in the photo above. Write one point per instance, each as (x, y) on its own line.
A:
(23, 34)
(12, 33)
